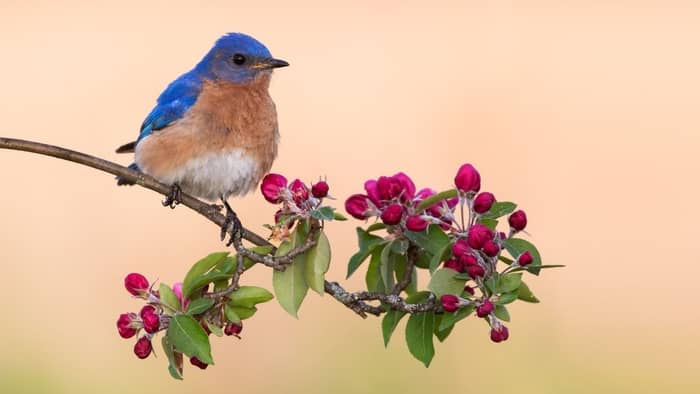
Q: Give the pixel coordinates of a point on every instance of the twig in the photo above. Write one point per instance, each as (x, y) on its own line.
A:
(411, 257)
(354, 301)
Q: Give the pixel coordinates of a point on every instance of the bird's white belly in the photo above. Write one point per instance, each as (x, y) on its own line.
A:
(214, 175)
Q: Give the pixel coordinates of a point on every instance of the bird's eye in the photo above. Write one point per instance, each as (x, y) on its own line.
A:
(238, 59)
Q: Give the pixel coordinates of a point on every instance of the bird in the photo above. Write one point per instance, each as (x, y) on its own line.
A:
(213, 132)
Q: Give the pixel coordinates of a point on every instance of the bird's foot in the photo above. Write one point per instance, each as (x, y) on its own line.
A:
(173, 198)
(232, 225)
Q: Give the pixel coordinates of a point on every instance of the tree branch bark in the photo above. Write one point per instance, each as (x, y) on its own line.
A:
(354, 301)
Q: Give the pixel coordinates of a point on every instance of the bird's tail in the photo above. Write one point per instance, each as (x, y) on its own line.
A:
(127, 148)
(121, 181)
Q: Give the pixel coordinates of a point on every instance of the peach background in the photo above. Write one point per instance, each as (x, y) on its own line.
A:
(583, 112)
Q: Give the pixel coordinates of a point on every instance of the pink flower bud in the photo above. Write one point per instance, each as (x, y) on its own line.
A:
(483, 202)
(373, 193)
(450, 302)
(124, 325)
(143, 347)
(278, 216)
(416, 223)
(468, 259)
(525, 258)
(475, 271)
(491, 248)
(454, 264)
(499, 333)
(233, 329)
(392, 214)
(198, 363)
(389, 188)
(177, 289)
(320, 189)
(469, 289)
(484, 309)
(478, 235)
(517, 220)
(468, 179)
(300, 192)
(357, 206)
(151, 321)
(136, 284)
(460, 248)
(408, 188)
(272, 186)
(146, 310)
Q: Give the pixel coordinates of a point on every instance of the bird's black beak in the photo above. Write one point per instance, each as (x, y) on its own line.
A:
(266, 64)
(277, 63)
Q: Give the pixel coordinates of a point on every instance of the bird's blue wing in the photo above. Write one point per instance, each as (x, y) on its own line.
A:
(172, 104)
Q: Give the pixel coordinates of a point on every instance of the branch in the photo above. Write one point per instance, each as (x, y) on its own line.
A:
(354, 301)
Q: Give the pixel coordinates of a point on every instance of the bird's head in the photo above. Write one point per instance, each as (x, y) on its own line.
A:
(238, 58)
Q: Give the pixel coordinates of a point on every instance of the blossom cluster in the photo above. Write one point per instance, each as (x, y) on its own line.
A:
(475, 245)
(298, 200)
(155, 316)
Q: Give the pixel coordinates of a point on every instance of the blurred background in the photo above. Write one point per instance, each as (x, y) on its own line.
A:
(583, 112)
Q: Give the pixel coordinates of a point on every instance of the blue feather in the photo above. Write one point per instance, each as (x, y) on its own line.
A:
(173, 103)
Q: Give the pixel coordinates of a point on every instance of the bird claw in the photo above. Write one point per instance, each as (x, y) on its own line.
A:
(232, 225)
(174, 197)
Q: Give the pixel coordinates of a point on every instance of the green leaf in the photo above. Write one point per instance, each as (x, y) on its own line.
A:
(441, 335)
(507, 298)
(517, 246)
(434, 199)
(509, 282)
(339, 216)
(438, 258)
(389, 323)
(290, 285)
(501, 312)
(375, 227)
(188, 337)
(423, 260)
(373, 277)
(418, 297)
(174, 362)
(318, 260)
(199, 305)
(444, 282)
(492, 283)
(323, 213)
(505, 259)
(241, 311)
(539, 267)
(249, 296)
(525, 294)
(490, 223)
(419, 336)
(231, 314)
(199, 269)
(386, 267)
(367, 243)
(498, 209)
(216, 330)
(449, 319)
(174, 358)
(168, 297)
(399, 246)
(433, 241)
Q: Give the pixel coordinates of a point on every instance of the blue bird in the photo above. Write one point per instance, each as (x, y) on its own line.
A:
(213, 132)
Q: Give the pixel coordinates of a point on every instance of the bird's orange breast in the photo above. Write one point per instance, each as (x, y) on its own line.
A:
(225, 118)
